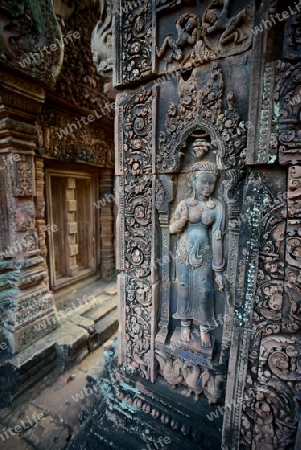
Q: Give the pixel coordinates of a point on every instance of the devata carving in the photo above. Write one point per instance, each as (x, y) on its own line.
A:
(197, 258)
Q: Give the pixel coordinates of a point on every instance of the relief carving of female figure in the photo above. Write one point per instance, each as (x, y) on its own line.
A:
(199, 256)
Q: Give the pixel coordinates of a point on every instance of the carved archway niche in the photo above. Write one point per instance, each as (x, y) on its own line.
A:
(199, 136)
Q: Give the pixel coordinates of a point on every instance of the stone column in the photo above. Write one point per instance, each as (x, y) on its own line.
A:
(27, 305)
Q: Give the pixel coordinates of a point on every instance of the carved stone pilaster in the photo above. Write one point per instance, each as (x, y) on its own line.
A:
(40, 206)
(28, 310)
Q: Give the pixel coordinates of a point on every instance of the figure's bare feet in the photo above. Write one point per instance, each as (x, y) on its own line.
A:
(185, 334)
(205, 338)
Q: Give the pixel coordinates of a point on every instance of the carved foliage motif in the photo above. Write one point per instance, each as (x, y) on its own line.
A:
(134, 40)
(293, 246)
(78, 81)
(137, 236)
(294, 192)
(289, 128)
(24, 176)
(135, 200)
(201, 106)
(90, 143)
(270, 315)
(138, 226)
(137, 116)
(269, 410)
(272, 404)
(196, 379)
(138, 325)
(27, 27)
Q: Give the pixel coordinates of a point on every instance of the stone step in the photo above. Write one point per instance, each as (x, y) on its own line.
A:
(80, 332)
(104, 329)
(101, 310)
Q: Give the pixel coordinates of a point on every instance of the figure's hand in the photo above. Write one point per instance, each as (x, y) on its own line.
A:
(219, 279)
(184, 212)
(178, 225)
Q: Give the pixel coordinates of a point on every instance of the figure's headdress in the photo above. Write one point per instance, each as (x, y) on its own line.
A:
(200, 145)
(206, 166)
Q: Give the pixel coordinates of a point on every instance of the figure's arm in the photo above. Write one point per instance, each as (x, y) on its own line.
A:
(193, 38)
(179, 219)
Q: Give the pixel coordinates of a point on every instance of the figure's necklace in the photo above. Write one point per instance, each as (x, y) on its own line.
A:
(208, 203)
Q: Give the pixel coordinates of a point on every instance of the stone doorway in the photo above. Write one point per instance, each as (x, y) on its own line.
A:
(72, 225)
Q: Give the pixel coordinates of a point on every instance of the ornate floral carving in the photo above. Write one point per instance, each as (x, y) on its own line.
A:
(289, 129)
(138, 226)
(25, 216)
(24, 176)
(138, 133)
(89, 144)
(294, 191)
(134, 41)
(271, 403)
(27, 27)
(138, 325)
(201, 108)
(79, 82)
(274, 411)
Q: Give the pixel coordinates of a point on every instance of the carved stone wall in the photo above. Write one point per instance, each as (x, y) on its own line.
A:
(28, 29)
(265, 401)
(26, 300)
(202, 86)
(50, 95)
